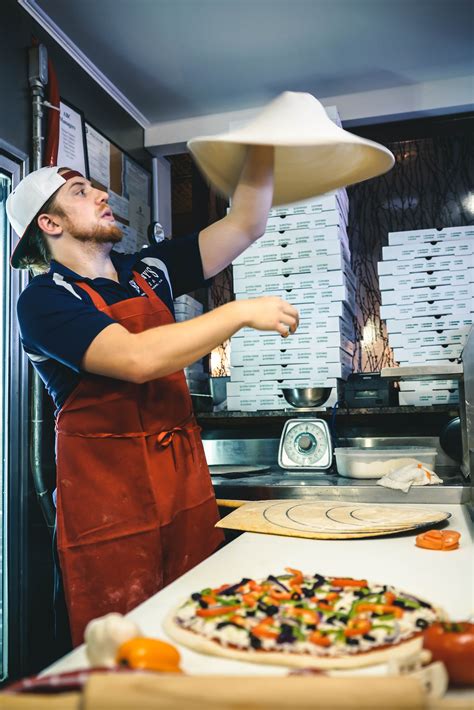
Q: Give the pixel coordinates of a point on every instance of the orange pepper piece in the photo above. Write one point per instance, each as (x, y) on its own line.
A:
(381, 609)
(149, 654)
(261, 630)
(357, 627)
(348, 582)
(216, 611)
(438, 540)
(317, 638)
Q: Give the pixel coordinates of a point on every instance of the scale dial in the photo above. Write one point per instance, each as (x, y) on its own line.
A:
(305, 444)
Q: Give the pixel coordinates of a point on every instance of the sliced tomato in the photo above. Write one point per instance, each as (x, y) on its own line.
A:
(438, 540)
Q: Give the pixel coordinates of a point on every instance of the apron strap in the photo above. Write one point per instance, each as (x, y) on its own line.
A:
(97, 300)
(145, 287)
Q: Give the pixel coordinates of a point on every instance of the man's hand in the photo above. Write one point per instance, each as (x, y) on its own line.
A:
(270, 313)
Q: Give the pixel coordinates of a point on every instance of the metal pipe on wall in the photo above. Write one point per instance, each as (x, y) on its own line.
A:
(37, 77)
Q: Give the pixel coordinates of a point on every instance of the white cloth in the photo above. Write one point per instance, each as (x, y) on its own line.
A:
(414, 474)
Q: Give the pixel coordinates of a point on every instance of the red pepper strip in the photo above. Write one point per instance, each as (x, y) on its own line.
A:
(217, 610)
(348, 582)
(317, 638)
(381, 609)
(357, 627)
(324, 606)
(277, 594)
(261, 630)
(254, 586)
(332, 596)
(219, 589)
(309, 616)
(249, 599)
(209, 599)
(297, 576)
(390, 597)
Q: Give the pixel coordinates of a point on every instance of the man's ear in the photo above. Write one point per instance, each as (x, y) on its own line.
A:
(49, 224)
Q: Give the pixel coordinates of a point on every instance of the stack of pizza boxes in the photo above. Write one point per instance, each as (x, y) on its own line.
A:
(303, 257)
(426, 281)
(185, 308)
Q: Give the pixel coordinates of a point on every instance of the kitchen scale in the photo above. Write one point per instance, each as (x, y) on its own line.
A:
(305, 445)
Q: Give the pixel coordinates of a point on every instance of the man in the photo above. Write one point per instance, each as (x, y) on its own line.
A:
(135, 504)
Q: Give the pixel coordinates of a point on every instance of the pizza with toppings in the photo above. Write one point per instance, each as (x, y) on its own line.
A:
(302, 620)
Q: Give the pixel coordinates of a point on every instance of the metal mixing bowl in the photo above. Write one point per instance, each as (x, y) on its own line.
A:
(306, 396)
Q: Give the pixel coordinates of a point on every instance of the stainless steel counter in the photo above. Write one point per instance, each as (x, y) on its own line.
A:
(277, 483)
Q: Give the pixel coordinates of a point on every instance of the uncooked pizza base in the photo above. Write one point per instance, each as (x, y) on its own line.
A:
(198, 643)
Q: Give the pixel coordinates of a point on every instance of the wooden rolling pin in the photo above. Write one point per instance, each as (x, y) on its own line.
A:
(155, 692)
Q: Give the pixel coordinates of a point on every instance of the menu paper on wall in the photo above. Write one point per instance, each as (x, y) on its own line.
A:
(98, 151)
(71, 149)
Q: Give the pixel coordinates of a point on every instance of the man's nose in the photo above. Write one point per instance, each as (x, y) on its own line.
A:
(102, 196)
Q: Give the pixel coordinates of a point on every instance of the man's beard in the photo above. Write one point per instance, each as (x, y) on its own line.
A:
(101, 234)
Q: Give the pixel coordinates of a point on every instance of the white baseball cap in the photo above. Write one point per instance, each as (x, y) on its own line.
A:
(27, 199)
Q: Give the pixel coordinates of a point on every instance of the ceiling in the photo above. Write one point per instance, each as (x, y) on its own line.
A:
(173, 59)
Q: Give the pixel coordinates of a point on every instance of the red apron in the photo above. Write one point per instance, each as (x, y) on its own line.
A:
(135, 504)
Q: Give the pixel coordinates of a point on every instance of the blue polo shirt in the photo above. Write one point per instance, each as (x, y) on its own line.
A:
(58, 320)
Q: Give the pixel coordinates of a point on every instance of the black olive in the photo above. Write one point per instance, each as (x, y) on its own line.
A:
(286, 638)
(271, 610)
(344, 619)
(223, 624)
(250, 613)
(299, 606)
(425, 605)
(287, 628)
(319, 581)
(421, 623)
(331, 619)
(255, 642)
(203, 604)
(368, 637)
(196, 596)
(398, 602)
(307, 592)
(312, 627)
(352, 642)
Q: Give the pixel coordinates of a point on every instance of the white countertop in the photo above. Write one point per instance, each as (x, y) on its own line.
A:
(446, 579)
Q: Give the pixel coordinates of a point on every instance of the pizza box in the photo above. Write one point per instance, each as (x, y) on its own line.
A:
(312, 249)
(418, 399)
(303, 237)
(452, 293)
(430, 235)
(428, 308)
(283, 356)
(426, 278)
(450, 248)
(427, 385)
(335, 201)
(427, 338)
(428, 323)
(317, 281)
(428, 263)
(320, 221)
(311, 264)
(321, 373)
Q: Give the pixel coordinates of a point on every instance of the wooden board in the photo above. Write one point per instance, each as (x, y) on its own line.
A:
(328, 520)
